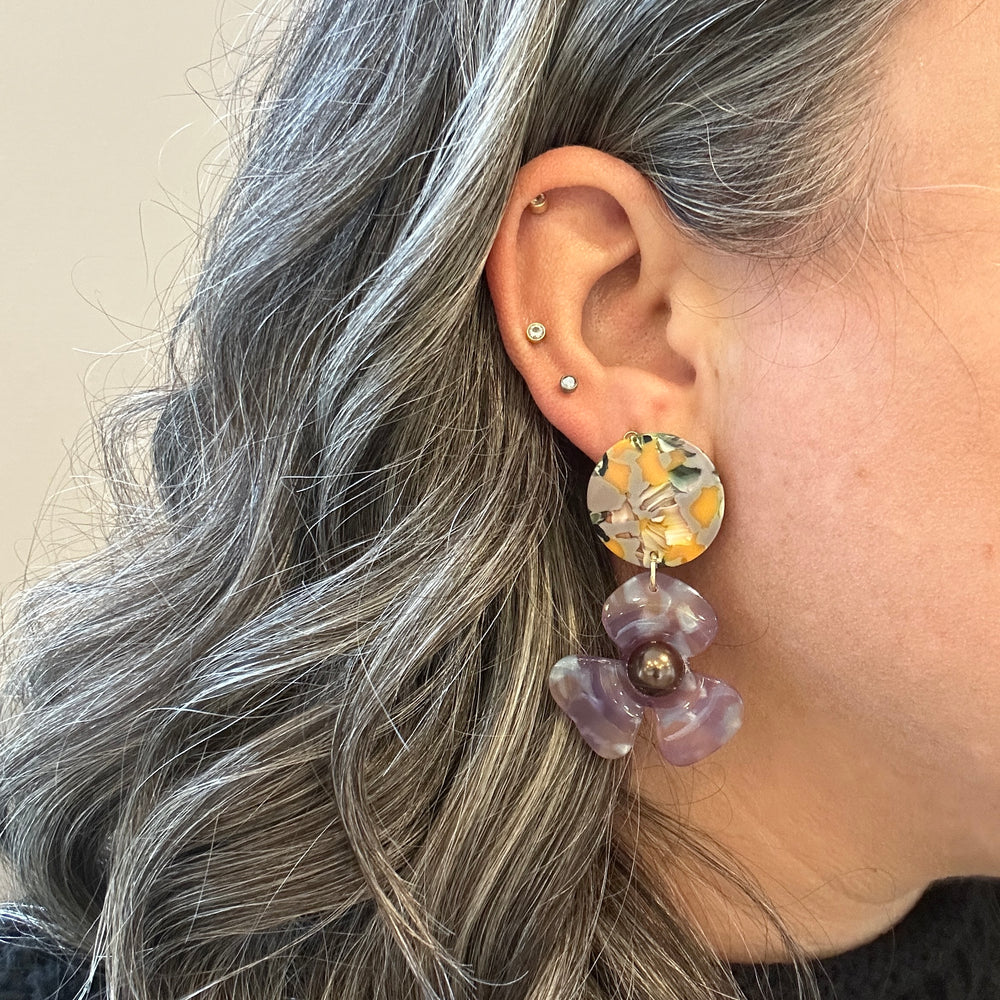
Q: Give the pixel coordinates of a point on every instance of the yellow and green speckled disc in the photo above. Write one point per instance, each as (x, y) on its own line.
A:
(656, 494)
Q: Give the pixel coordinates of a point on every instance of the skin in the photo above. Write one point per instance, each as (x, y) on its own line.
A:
(852, 407)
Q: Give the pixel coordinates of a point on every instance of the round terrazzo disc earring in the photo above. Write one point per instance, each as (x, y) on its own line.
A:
(656, 494)
(654, 499)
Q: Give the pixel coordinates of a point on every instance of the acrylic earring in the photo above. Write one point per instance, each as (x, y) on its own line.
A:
(655, 499)
(656, 494)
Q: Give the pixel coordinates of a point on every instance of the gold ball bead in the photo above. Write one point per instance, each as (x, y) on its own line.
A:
(655, 668)
(538, 204)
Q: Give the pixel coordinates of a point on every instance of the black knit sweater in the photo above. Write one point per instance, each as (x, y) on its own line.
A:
(946, 948)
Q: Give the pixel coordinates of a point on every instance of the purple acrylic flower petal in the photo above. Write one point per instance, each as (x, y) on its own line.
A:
(673, 613)
(696, 718)
(595, 694)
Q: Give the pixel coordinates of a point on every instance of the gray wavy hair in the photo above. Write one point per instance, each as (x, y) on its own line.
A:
(288, 733)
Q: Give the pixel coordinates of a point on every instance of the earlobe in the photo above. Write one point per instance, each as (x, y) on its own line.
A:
(602, 267)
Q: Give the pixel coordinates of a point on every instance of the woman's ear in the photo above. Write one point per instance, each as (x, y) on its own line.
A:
(630, 305)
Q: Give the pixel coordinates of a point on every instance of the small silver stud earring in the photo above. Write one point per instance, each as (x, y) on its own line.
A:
(535, 332)
(567, 383)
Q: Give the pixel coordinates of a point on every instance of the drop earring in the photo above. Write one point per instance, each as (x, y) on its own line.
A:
(655, 500)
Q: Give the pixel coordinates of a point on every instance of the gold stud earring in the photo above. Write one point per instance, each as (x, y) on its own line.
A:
(535, 332)
(538, 204)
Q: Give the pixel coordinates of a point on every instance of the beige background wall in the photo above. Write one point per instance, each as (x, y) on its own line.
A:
(102, 141)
